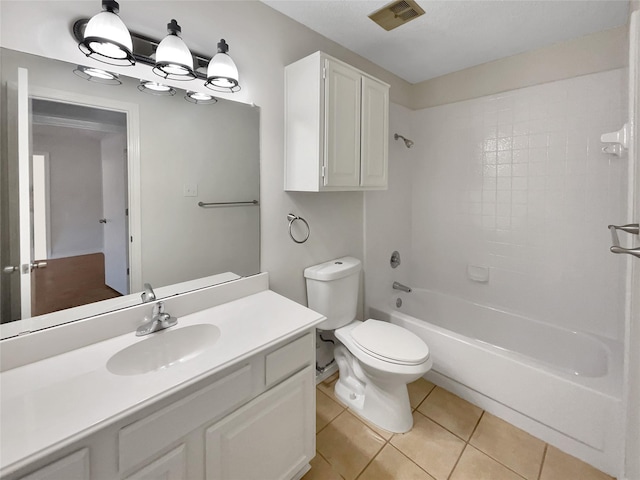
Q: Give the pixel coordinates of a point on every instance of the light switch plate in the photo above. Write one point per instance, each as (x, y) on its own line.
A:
(190, 190)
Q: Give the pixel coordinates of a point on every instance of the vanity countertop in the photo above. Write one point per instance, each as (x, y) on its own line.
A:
(53, 402)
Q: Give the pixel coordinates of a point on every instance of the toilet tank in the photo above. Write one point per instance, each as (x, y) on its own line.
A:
(332, 290)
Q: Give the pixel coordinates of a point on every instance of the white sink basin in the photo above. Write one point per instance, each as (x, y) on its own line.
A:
(164, 349)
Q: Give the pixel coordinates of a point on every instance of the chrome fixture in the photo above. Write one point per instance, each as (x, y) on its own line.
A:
(106, 37)
(148, 295)
(228, 204)
(632, 228)
(395, 259)
(155, 88)
(173, 58)
(407, 142)
(401, 287)
(97, 75)
(159, 321)
(294, 218)
(200, 98)
(222, 73)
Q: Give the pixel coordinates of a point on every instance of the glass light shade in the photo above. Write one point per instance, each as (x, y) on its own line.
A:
(173, 58)
(155, 88)
(200, 98)
(222, 73)
(107, 39)
(97, 75)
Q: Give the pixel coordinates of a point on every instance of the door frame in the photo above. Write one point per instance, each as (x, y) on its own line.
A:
(133, 165)
(631, 388)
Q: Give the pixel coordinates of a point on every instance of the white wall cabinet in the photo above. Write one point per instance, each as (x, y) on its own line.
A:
(255, 420)
(336, 127)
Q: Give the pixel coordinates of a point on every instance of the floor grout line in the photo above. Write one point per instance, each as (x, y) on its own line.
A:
(544, 458)
(408, 458)
(477, 424)
(457, 461)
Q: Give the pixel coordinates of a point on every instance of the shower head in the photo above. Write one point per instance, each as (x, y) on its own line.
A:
(407, 142)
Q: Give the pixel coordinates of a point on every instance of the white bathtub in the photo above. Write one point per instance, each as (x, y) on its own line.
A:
(561, 386)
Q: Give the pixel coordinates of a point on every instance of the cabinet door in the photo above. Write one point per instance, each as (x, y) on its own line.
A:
(342, 125)
(172, 465)
(375, 133)
(272, 437)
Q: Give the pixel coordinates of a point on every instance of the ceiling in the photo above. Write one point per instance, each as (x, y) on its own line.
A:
(453, 35)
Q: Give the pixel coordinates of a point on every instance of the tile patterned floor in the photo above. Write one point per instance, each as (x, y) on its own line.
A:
(451, 440)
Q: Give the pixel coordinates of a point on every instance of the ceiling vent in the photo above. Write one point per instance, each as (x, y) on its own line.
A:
(396, 13)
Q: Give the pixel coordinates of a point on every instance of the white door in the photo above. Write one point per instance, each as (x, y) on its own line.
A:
(342, 126)
(375, 133)
(19, 185)
(114, 219)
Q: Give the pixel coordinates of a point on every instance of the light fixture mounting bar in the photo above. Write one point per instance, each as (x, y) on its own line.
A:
(144, 47)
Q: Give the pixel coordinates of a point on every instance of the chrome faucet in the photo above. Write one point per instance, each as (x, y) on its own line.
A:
(148, 295)
(401, 287)
(159, 321)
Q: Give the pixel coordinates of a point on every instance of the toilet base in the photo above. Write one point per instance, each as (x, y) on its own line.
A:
(384, 403)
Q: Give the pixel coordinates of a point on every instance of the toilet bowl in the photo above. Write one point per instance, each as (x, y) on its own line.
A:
(376, 359)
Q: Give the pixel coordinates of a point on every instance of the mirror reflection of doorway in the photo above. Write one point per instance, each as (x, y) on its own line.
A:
(79, 205)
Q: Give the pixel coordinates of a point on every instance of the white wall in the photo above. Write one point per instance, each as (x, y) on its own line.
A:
(517, 182)
(75, 190)
(388, 216)
(593, 53)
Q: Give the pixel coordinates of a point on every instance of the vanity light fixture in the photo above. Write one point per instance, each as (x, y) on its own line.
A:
(97, 75)
(173, 58)
(106, 37)
(200, 98)
(222, 73)
(170, 58)
(155, 88)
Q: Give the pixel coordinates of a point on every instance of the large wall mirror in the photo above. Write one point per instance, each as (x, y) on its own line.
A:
(124, 188)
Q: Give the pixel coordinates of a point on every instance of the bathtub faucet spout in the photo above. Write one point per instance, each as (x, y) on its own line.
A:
(401, 287)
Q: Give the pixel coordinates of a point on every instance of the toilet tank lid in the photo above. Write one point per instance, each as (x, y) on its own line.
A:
(333, 269)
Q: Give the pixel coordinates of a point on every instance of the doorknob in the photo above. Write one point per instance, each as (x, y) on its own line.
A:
(38, 264)
(10, 269)
(103, 220)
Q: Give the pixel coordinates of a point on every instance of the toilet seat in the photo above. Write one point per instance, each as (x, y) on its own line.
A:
(389, 343)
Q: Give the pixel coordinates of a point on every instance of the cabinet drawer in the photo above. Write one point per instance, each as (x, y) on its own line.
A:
(172, 465)
(149, 436)
(71, 467)
(288, 359)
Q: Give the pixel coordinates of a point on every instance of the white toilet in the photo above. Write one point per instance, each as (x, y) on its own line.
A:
(376, 359)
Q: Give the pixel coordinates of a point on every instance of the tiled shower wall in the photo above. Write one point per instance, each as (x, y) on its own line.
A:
(516, 183)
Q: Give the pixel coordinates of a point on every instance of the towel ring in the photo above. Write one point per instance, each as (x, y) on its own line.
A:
(292, 218)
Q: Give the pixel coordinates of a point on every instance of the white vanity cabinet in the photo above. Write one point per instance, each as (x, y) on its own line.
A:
(279, 427)
(254, 420)
(336, 127)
